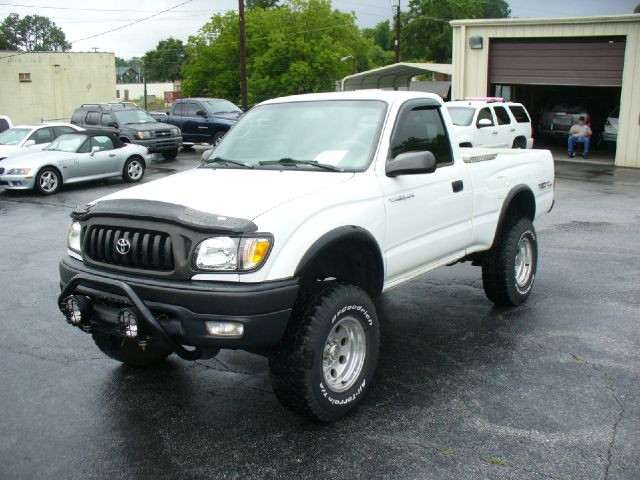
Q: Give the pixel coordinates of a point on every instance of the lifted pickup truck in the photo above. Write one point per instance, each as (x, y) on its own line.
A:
(203, 120)
(310, 207)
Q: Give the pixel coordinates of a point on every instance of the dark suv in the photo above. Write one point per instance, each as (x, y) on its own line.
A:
(134, 125)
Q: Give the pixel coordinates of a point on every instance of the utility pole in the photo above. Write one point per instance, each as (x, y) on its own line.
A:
(397, 12)
(144, 79)
(243, 57)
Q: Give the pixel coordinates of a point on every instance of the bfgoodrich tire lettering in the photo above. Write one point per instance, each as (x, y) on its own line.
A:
(510, 268)
(298, 367)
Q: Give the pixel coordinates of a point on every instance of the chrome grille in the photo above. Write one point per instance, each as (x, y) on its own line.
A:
(149, 250)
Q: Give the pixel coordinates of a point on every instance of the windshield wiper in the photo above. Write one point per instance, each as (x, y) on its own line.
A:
(292, 162)
(228, 162)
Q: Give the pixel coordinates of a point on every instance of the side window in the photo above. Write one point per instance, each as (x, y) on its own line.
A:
(178, 109)
(193, 108)
(77, 117)
(520, 114)
(92, 118)
(42, 135)
(106, 120)
(483, 114)
(422, 129)
(502, 116)
(85, 147)
(62, 130)
(4, 125)
(103, 142)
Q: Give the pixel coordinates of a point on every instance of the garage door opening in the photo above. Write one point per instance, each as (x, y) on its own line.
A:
(554, 108)
(559, 80)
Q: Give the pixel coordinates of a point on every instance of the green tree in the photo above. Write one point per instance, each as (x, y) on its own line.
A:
(164, 63)
(292, 49)
(261, 3)
(426, 33)
(32, 33)
(381, 34)
(121, 62)
(637, 9)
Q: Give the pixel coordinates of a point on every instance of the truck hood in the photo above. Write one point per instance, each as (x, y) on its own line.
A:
(239, 193)
(143, 127)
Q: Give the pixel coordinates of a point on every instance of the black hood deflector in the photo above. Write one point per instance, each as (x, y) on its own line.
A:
(166, 213)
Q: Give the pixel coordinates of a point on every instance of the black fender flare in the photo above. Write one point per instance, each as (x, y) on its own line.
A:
(518, 189)
(347, 232)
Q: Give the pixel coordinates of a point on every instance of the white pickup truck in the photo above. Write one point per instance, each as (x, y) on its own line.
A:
(310, 207)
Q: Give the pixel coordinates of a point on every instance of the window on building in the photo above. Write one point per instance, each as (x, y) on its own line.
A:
(422, 129)
(24, 77)
(117, 93)
(502, 115)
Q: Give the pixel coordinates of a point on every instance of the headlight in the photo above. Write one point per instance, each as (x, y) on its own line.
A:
(232, 254)
(19, 171)
(142, 135)
(73, 237)
(175, 132)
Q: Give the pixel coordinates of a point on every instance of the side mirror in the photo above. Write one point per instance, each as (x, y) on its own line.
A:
(201, 113)
(485, 122)
(95, 149)
(112, 125)
(411, 163)
(29, 143)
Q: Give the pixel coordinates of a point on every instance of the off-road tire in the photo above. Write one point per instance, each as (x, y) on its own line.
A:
(128, 351)
(498, 269)
(296, 365)
(129, 176)
(170, 155)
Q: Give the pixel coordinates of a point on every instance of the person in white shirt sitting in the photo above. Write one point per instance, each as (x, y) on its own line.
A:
(580, 133)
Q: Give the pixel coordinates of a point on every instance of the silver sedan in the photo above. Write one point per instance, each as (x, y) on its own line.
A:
(73, 158)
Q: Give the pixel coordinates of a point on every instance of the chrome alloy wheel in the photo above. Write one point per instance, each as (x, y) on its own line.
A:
(524, 261)
(48, 182)
(344, 353)
(134, 170)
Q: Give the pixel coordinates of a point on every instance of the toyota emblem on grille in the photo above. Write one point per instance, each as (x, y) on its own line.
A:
(123, 246)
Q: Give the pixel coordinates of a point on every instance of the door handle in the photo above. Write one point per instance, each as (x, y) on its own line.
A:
(513, 130)
(494, 133)
(457, 186)
(112, 154)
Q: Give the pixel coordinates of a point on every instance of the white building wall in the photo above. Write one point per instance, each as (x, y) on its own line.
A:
(60, 83)
(136, 90)
(471, 67)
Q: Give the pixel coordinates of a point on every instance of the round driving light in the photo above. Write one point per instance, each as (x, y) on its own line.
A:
(76, 309)
(128, 322)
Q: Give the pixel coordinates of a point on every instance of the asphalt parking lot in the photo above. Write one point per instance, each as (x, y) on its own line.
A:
(463, 390)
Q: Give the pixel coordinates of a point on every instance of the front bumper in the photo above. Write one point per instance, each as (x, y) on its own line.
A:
(17, 182)
(159, 145)
(181, 308)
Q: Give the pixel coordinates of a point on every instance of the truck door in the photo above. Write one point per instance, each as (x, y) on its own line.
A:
(506, 131)
(195, 124)
(177, 115)
(428, 216)
(486, 135)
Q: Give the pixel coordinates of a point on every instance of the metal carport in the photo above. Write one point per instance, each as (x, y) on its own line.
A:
(393, 76)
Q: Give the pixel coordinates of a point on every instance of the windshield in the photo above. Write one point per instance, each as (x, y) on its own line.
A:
(461, 116)
(69, 142)
(13, 136)
(126, 117)
(221, 106)
(337, 133)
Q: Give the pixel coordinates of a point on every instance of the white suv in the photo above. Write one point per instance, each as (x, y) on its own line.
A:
(490, 122)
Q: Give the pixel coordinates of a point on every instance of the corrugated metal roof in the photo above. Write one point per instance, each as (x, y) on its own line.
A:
(395, 75)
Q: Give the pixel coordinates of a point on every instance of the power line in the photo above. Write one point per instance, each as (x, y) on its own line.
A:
(133, 23)
(100, 9)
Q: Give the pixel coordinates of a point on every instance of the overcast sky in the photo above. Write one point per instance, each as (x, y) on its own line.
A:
(79, 21)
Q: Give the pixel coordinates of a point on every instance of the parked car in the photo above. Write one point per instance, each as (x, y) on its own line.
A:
(5, 123)
(321, 201)
(559, 116)
(72, 158)
(203, 120)
(134, 125)
(159, 116)
(490, 123)
(28, 138)
(610, 133)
